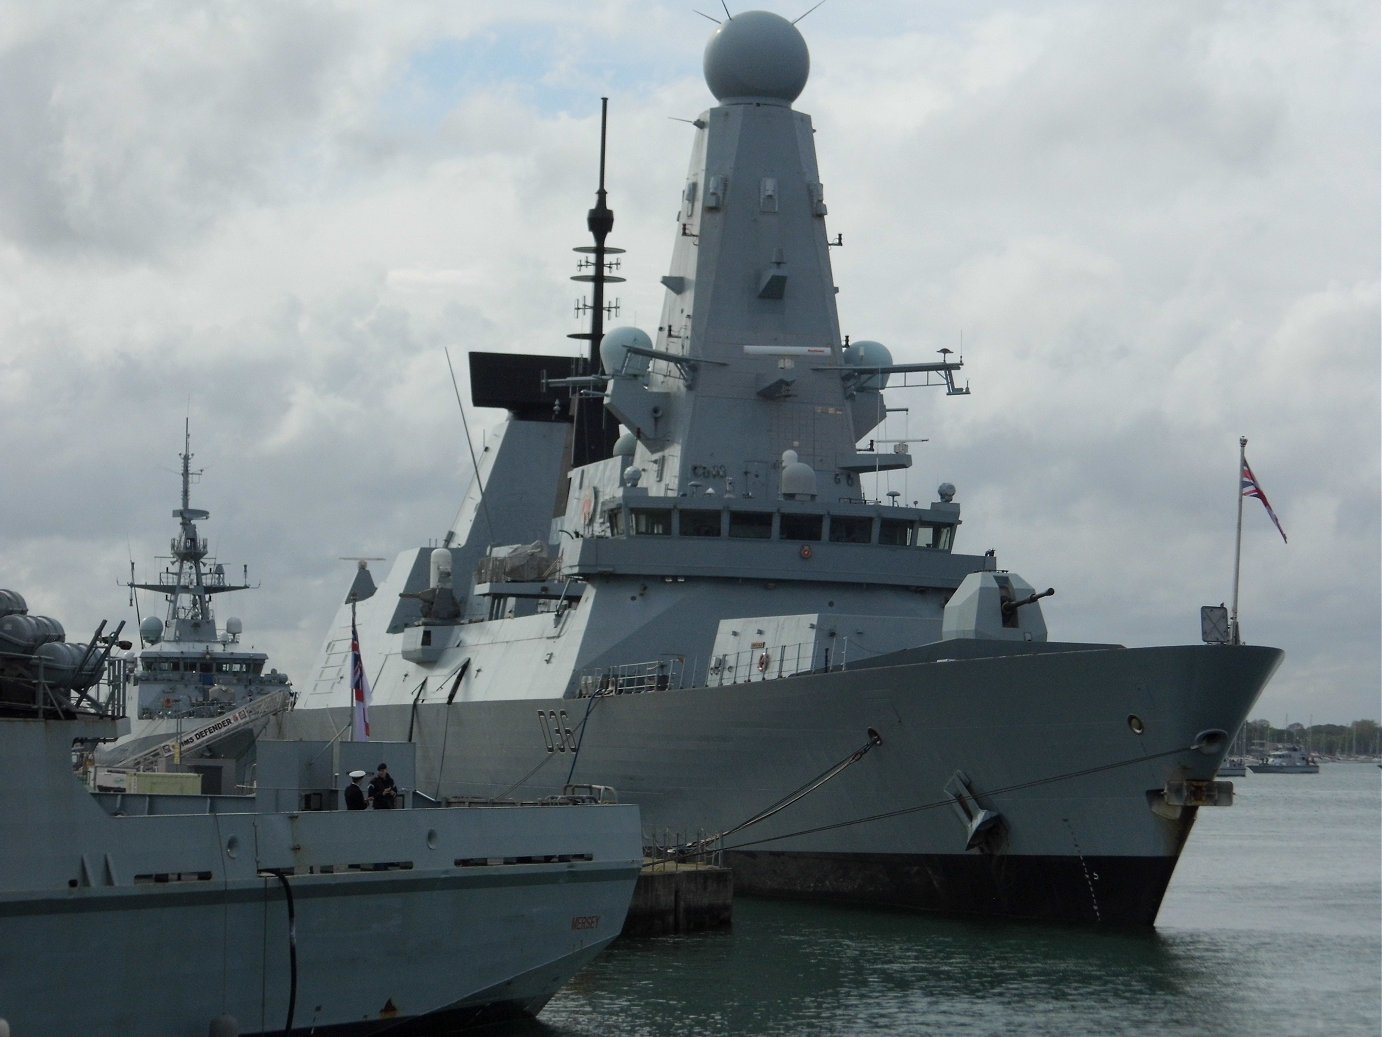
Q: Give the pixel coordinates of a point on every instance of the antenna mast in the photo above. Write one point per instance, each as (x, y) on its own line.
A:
(595, 435)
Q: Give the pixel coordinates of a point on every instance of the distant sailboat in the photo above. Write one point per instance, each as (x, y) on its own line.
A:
(1235, 763)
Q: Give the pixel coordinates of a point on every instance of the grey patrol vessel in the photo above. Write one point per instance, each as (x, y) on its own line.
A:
(277, 912)
(715, 617)
(192, 674)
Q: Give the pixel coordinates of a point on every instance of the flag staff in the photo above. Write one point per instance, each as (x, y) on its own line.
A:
(360, 589)
(1248, 486)
(1233, 637)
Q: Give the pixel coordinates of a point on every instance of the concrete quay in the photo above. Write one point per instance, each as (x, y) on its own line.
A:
(673, 897)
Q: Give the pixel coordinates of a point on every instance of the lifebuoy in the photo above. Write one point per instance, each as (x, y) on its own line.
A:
(806, 550)
(763, 662)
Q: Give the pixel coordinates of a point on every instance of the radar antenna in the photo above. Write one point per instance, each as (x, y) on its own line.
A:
(594, 435)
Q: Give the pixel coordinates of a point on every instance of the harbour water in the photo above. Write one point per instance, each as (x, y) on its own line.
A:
(1272, 925)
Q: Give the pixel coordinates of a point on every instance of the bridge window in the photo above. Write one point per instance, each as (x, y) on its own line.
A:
(751, 525)
(801, 527)
(936, 537)
(652, 522)
(850, 529)
(896, 532)
(700, 523)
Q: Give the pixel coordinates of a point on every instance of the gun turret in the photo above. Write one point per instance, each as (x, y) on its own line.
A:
(1009, 607)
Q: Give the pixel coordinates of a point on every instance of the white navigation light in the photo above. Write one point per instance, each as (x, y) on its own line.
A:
(757, 55)
(615, 357)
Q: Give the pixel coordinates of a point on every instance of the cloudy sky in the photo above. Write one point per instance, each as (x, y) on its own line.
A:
(1154, 228)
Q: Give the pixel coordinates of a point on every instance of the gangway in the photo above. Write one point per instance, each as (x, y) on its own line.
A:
(209, 733)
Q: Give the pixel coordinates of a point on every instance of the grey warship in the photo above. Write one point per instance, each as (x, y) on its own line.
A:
(670, 574)
(192, 673)
(276, 912)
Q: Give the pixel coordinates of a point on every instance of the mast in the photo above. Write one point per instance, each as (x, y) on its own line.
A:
(192, 619)
(594, 434)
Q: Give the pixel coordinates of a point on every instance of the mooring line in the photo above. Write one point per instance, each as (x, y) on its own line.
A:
(936, 804)
(796, 795)
(549, 756)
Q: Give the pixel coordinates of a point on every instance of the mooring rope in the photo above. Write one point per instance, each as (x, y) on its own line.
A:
(936, 804)
(796, 795)
(549, 756)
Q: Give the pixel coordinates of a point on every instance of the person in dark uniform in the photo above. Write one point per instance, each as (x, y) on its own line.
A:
(383, 793)
(354, 794)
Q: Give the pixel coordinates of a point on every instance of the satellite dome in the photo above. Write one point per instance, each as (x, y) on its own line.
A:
(614, 354)
(625, 445)
(234, 626)
(440, 563)
(757, 55)
(151, 630)
(946, 492)
(869, 354)
(798, 480)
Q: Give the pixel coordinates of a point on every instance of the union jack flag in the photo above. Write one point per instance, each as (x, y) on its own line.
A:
(359, 689)
(1252, 488)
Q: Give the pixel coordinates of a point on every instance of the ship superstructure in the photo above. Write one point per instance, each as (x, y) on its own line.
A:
(721, 621)
(191, 671)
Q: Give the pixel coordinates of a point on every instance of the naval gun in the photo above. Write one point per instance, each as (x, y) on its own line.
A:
(1010, 607)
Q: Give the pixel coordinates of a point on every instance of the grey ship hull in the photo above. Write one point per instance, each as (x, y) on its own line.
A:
(157, 914)
(1042, 732)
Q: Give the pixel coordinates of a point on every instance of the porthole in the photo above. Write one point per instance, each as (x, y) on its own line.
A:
(1135, 724)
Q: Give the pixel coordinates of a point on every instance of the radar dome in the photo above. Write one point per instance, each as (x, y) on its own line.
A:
(151, 630)
(946, 492)
(234, 626)
(615, 357)
(440, 564)
(757, 54)
(869, 354)
(798, 480)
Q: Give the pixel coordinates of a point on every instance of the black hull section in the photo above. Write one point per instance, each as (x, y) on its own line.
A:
(435, 1024)
(1124, 891)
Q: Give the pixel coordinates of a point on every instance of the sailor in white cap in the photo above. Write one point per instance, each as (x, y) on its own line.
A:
(354, 794)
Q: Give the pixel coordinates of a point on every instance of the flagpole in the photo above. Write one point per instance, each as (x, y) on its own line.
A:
(353, 635)
(360, 589)
(1233, 637)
